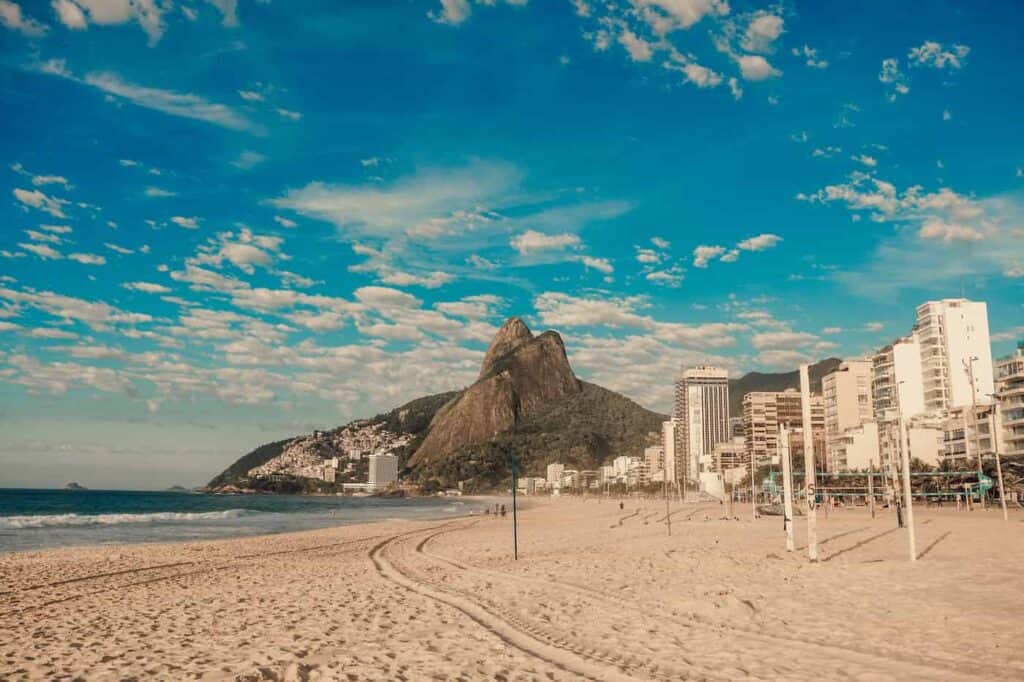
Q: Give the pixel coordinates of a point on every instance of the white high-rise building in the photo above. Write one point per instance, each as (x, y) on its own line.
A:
(897, 386)
(955, 349)
(383, 470)
(702, 415)
(847, 405)
(668, 444)
(1010, 392)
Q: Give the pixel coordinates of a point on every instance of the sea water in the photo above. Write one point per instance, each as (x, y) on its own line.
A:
(35, 519)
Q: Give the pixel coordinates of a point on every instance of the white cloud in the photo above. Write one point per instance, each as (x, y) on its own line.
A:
(77, 14)
(453, 12)
(811, 56)
(42, 202)
(187, 223)
(669, 15)
(185, 105)
(601, 264)
(661, 243)
(11, 17)
(735, 89)
(42, 250)
(868, 161)
(892, 76)
(936, 56)
(754, 67)
(87, 258)
(639, 49)
(41, 180)
(56, 229)
(251, 95)
(288, 114)
(760, 242)
(43, 237)
(701, 76)
(408, 202)
(532, 241)
(248, 159)
(762, 32)
(938, 229)
(157, 192)
(647, 256)
(704, 253)
(70, 14)
(146, 287)
(285, 222)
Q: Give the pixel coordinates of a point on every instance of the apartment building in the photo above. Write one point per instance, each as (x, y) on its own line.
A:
(701, 414)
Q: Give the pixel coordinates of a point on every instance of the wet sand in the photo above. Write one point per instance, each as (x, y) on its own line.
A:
(597, 593)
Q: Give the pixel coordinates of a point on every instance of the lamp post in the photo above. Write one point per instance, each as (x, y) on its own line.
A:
(996, 420)
(908, 495)
(969, 368)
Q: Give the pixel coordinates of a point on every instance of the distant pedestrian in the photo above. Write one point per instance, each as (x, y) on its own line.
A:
(502, 511)
(621, 506)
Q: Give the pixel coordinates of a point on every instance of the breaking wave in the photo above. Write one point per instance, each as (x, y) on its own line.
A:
(57, 520)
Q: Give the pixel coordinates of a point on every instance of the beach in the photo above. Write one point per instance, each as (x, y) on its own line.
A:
(597, 593)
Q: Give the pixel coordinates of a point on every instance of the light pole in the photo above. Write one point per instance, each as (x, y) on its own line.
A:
(996, 426)
(908, 496)
(969, 368)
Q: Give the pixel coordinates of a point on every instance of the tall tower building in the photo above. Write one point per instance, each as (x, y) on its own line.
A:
(955, 352)
(847, 404)
(701, 415)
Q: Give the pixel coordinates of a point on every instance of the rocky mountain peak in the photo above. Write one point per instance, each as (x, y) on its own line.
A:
(512, 334)
(522, 374)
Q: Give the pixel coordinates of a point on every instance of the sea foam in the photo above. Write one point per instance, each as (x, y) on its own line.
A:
(56, 520)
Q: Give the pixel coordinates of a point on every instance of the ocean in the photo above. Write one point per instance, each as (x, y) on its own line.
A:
(36, 519)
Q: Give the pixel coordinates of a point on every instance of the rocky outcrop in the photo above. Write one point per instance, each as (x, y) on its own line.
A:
(521, 375)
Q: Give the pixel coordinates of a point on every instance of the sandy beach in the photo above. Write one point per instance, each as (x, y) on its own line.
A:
(597, 593)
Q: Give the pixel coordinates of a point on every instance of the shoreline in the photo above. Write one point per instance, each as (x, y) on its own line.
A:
(221, 533)
(597, 592)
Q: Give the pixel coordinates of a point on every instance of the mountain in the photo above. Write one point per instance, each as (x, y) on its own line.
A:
(526, 403)
(758, 381)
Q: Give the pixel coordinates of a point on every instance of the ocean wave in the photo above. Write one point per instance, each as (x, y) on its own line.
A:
(58, 520)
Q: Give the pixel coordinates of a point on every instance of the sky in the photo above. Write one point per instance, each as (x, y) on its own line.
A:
(229, 222)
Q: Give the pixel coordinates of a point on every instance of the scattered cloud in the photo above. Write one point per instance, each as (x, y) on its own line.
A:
(532, 241)
(11, 17)
(935, 55)
(187, 223)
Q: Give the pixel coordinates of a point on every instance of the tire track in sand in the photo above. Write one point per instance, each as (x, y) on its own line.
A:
(899, 663)
(556, 650)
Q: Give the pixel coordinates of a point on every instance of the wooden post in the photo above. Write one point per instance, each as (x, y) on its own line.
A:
(787, 487)
(908, 500)
(515, 516)
(810, 471)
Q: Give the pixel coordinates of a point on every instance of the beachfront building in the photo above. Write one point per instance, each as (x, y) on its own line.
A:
(967, 433)
(731, 454)
(654, 456)
(383, 470)
(956, 353)
(846, 396)
(668, 444)
(701, 414)
(1010, 396)
(554, 472)
(855, 449)
(925, 433)
(897, 386)
(766, 412)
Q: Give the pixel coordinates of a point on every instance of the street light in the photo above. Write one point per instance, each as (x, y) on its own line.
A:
(969, 368)
(996, 426)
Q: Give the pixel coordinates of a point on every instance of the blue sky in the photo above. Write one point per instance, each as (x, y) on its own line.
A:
(228, 222)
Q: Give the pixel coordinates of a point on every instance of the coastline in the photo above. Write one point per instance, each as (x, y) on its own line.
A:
(597, 592)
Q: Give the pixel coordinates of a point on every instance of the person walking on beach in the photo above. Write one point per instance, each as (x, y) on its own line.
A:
(622, 505)
(502, 511)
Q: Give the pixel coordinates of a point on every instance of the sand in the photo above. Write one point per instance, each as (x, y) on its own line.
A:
(597, 593)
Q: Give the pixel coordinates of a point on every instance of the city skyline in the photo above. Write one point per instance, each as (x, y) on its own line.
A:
(324, 212)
